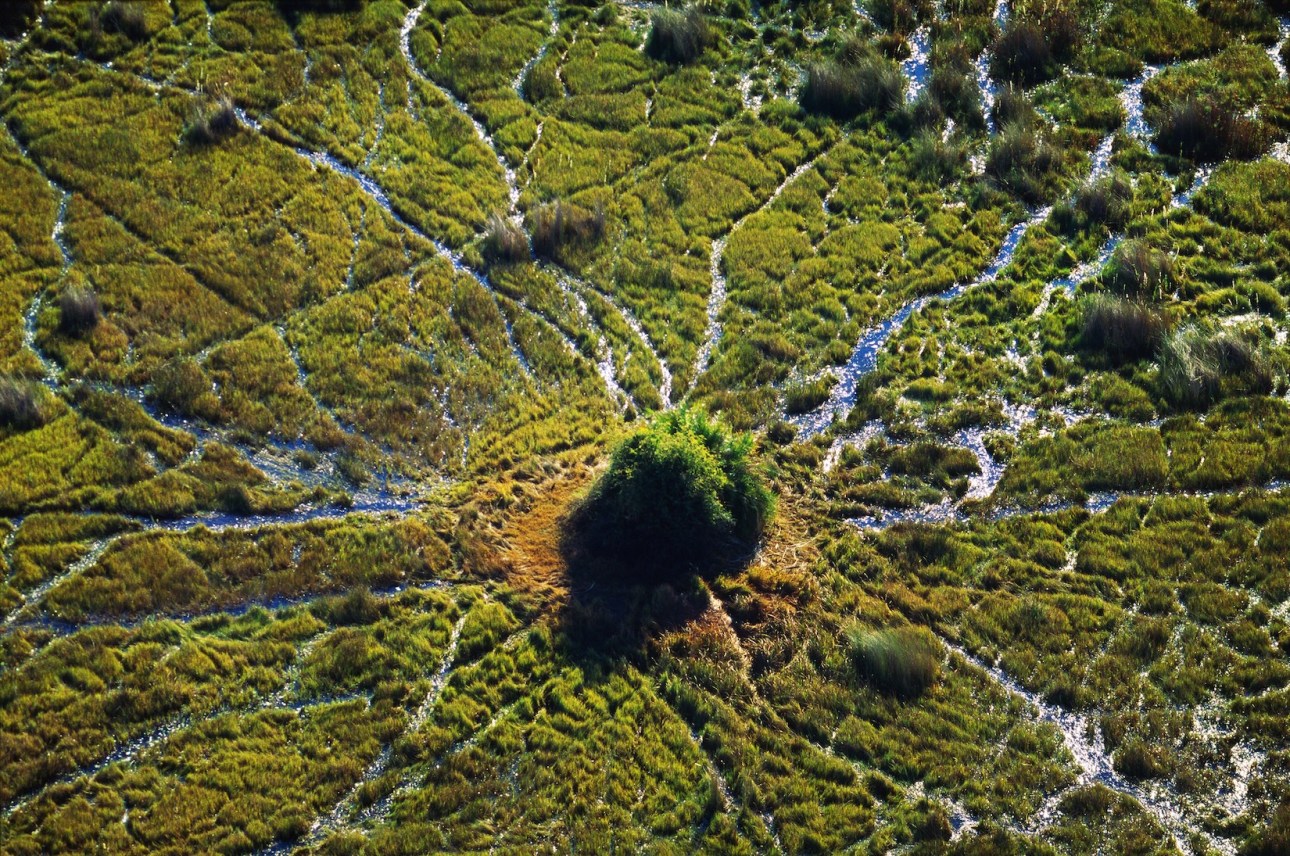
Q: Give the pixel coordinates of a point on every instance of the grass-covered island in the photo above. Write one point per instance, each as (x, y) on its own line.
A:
(513, 426)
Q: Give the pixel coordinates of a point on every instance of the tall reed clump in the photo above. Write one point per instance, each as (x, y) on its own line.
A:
(1138, 270)
(678, 36)
(562, 224)
(903, 662)
(680, 492)
(1035, 44)
(845, 89)
(211, 122)
(79, 312)
(1124, 330)
(20, 405)
(1200, 365)
(1206, 130)
(504, 242)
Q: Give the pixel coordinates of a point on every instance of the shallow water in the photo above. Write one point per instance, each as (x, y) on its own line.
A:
(917, 67)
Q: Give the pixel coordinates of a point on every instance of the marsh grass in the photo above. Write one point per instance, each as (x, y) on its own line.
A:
(79, 312)
(903, 662)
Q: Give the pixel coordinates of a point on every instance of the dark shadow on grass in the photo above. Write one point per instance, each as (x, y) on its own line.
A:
(621, 600)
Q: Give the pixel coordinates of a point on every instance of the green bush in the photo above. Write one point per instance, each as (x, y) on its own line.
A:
(902, 662)
(679, 492)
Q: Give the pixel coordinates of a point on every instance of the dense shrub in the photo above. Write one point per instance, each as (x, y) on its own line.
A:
(1138, 270)
(1198, 366)
(20, 405)
(844, 91)
(677, 493)
(79, 311)
(559, 224)
(211, 122)
(1124, 330)
(504, 241)
(1205, 130)
(678, 36)
(902, 662)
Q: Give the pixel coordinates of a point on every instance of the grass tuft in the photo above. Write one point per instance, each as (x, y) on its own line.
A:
(1199, 366)
(844, 91)
(1125, 330)
(903, 662)
(20, 406)
(120, 17)
(211, 122)
(678, 37)
(559, 224)
(1138, 269)
(1205, 130)
(504, 242)
(1033, 48)
(79, 312)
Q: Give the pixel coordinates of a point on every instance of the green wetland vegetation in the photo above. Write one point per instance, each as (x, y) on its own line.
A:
(552, 425)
